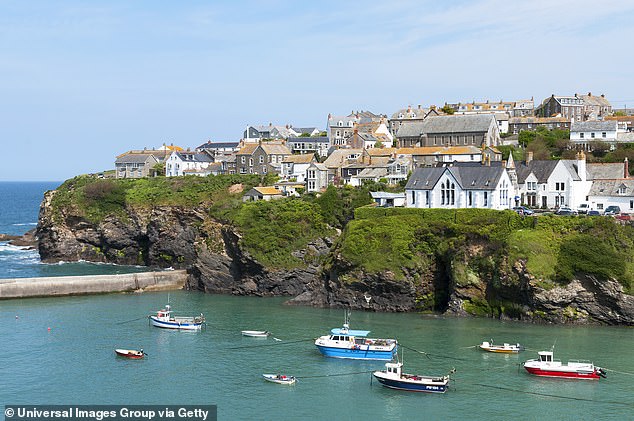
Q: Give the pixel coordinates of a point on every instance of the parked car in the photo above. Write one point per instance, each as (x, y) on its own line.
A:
(612, 210)
(523, 210)
(593, 213)
(565, 211)
(624, 217)
(583, 208)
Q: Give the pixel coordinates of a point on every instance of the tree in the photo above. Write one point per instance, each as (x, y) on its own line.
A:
(599, 148)
(447, 109)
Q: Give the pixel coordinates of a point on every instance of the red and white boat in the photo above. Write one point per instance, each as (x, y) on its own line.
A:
(130, 353)
(546, 366)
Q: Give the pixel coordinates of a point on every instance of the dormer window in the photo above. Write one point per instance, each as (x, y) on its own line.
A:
(401, 115)
(622, 189)
(340, 124)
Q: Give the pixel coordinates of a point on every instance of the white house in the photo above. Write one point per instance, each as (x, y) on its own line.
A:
(316, 177)
(583, 133)
(606, 193)
(462, 185)
(551, 184)
(295, 166)
(179, 161)
(388, 200)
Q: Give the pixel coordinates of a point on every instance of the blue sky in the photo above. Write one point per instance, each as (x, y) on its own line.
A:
(84, 81)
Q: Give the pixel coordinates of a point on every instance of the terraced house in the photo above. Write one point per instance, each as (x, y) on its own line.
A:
(450, 130)
(261, 158)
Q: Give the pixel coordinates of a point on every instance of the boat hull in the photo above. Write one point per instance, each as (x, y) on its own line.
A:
(255, 333)
(588, 375)
(126, 353)
(412, 386)
(274, 378)
(175, 324)
(500, 350)
(361, 353)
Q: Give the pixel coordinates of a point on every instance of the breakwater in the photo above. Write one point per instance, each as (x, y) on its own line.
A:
(93, 284)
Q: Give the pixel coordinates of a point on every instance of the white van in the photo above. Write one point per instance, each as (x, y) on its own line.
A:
(583, 208)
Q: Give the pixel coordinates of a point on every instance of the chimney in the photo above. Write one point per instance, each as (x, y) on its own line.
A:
(581, 166)
(409, 108)
(529, 158)
(626, 170)
(270, 124)
(488, 160)
(589, 93)
(419, 106)
(503, 163)
(602, 95)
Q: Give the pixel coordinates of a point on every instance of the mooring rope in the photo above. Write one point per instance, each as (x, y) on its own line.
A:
(432, 355)
(619, 372)
(336, 375)
(548, 395)
(276, 343)
(133, 320)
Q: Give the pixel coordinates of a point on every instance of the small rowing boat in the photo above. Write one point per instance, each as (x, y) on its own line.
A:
(130, 353)
(503, 349)
(256, 333)
(279, 378)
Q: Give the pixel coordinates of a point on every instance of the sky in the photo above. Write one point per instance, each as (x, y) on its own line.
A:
(82, 82)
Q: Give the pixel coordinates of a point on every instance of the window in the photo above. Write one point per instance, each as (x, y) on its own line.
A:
(592, 135)
(486, 199)
(560, 186)
(631, 204)
(470, 199)
(448, 193)
(427, 198)
(261, 159)
(413, 197)
(250, 162)
(504, 193)
(242, 159)
(581, 135)
(604, 135)
(622, 190)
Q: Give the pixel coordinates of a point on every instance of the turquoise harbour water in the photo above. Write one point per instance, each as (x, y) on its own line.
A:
(74, 362)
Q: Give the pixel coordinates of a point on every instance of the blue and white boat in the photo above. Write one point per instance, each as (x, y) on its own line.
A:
(354, 344)
(394, 378)
(165, 319)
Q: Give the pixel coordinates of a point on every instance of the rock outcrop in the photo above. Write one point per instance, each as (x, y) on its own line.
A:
(188, 238)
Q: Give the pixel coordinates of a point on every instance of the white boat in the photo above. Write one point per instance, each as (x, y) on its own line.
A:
(256, 333)
(279, 378)
(503, 349)
(546, 366)
(166, 320)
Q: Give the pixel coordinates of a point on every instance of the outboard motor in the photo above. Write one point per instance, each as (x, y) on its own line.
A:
(602, 372)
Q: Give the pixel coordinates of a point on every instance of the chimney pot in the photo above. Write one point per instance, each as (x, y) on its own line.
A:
(626, 170)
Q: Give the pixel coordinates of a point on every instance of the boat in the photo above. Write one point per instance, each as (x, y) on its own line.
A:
(279, 378)
(130, 353)
(503, 349)
(546, 366)
(165, 319)
(394, 378)
(256, 333)
(354, 344)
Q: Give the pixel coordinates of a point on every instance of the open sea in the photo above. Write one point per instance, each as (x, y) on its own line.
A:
(61, 351)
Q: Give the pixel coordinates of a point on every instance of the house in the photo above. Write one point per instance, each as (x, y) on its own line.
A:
(137, 164)
(306, 131)
(180, 161)
(214, 168)
(584, 133)
(256, 133)
(261, 158)
(406, 114)
(570, 107)
(398, 170)
(433, 155)
(553, 183)
(378, 129)
(625, 123)
(462, 185)
(316, 177)
(517, 124)
(262, 193)
(595, 107)
(309, 145)
(215, 149)
(369, 174)
(294, 167)
(290, 188)
(482, 107)
(338, 159)
(611, 185)
(388, 200)
(451, 130)
(340, 128)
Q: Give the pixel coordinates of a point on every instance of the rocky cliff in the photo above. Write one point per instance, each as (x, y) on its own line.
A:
(472, 277)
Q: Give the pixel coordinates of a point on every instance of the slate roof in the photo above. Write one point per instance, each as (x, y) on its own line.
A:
(599, 100)
(248, 149)
(439, 150)
(275, 148)
(593, 126)
(335, 158)
(194, 157)
(571, 166)
(469, 177)
(372, 172)
(626, 137)
(410, 129)
(611, 188)
(218, 145)
(413, 113)
(605, 171)
(541, 169)
(458, 123)
(386, 195)
(302, 130)
(319, 166)
(311, 139)
(133, 158)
